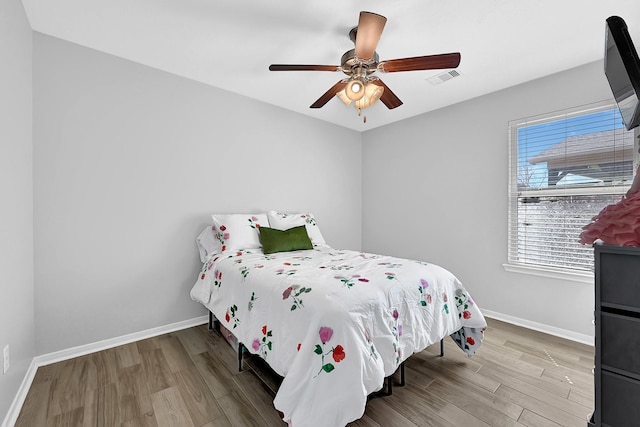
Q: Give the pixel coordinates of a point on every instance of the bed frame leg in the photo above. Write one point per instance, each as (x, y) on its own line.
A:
(214, 325)
(442, 347)
(240, 351)
(389, 380)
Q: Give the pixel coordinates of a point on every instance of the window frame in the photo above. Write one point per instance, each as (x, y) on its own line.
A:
(561, 273)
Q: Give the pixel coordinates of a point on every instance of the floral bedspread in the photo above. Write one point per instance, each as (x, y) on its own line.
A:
(334, 323)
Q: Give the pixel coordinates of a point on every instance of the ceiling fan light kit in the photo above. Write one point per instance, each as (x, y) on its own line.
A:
(354, 89)
(370, 95)
(359, 65)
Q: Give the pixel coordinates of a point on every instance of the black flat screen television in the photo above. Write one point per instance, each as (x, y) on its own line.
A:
(622, 68)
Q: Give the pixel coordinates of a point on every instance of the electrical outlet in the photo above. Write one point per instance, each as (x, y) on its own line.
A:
(5, 353)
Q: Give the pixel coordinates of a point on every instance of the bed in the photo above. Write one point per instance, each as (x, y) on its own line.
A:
(333, 323)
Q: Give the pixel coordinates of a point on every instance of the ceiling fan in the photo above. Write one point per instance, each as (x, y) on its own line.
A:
(360, 64)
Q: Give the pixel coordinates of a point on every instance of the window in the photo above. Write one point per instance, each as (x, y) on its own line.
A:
(564, 168)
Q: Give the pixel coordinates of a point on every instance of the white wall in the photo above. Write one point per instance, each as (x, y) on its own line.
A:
(130, 162)
(438, 192)
(16, 191)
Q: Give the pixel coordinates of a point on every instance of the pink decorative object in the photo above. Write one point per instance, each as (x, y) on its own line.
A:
(617, 224)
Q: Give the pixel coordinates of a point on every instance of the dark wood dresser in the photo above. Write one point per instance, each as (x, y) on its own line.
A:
(617, 336)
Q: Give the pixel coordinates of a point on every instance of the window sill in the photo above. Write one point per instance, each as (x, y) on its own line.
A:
(550, 272)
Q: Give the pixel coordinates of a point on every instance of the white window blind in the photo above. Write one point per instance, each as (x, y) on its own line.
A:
(564, 168)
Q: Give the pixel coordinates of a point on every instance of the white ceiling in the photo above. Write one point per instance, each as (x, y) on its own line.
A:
(229, 44)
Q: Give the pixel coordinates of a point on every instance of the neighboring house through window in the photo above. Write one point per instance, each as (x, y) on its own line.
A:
(564, 168)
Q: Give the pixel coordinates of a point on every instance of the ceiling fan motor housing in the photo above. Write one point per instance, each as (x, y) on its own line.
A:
(353, 66)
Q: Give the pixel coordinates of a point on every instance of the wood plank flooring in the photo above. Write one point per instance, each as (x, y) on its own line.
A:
(518, 377)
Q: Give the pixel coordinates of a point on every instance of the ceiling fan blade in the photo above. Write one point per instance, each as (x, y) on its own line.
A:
(291, 67)
(370, 28)
(388, 98)
(429, 62)
(329, 94)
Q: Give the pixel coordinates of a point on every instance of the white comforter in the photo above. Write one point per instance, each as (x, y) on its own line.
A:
(334, 323)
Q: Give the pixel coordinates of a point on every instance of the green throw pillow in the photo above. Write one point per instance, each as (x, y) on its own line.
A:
(284, 241)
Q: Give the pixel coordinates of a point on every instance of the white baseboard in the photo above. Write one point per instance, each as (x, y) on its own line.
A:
(540, 327)
(70, 353)
(21, 395)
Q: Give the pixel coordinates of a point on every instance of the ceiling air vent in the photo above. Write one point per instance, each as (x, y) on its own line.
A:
(443, 77)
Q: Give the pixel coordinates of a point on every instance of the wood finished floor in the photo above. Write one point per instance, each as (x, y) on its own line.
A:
(518, 377)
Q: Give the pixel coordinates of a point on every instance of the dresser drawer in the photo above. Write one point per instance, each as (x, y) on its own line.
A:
(620, 397)
(620, 342)
(619, 278)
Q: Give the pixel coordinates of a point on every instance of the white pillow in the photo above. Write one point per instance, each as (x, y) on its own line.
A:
(208, 243)
(285, 221)
(238, 231)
